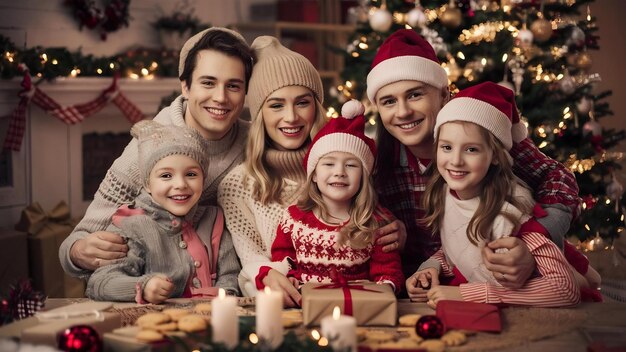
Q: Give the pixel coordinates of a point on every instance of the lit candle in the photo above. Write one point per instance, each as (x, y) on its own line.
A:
(340, 331)
(224, 320)
(269, 325)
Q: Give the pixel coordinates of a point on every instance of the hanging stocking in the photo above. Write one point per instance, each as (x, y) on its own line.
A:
(17, 122)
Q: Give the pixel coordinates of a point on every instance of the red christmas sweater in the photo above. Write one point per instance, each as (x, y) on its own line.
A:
(310, 245)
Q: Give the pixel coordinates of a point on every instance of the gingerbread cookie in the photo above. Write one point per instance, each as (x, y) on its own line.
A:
(151, 319)
(409, 320)
(171, 326)
(192, 323)
(433, 345)
(202, 308)
(149, 336)
(176, 313)
(378, 336)
(453, 338)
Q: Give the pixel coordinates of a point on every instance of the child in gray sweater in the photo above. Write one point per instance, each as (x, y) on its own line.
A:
(167, 257)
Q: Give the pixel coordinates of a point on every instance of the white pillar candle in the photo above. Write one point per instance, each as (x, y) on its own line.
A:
(340, 331)
(269, 325)
(224, 320)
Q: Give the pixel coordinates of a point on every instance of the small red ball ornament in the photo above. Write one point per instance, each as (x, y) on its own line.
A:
(429, 327)
(79, 338)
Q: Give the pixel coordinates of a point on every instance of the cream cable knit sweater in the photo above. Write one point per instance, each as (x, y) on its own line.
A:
(122, 183)
(253, 225)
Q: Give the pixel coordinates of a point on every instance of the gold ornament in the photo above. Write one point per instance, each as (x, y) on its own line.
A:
(542, 30)
(451, 17)
(583, 61)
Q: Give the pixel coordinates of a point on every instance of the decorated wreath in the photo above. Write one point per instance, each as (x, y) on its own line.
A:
(113, 17)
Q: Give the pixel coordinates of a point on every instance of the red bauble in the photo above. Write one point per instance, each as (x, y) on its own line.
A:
(429, 327)
(79, 338)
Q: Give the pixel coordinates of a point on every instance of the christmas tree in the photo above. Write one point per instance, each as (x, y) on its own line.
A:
(539, 49)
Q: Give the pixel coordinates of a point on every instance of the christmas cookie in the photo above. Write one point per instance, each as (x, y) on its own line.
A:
(433, 345)
(409, 320)
(149, 336)
(409, 333)
(171, 326)
(203, 308)
(378, 336)
(400, 344)
(453, 338)
(176, 313)
(151, 319)
(192, 323)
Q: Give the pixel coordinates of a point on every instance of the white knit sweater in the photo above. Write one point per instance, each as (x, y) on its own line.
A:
(122, 183)
(252, 224)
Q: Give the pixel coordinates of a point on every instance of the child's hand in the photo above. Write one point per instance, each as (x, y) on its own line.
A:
(441, 293)
(419, 283)
(158, 289)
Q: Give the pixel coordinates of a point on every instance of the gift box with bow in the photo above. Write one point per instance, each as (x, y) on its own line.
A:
(469, 316)
(370, 303)
(46, 232)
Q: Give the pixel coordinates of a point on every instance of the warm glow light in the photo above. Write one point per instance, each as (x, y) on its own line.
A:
(587, 227)
(363, 46)
(322, 341)
(608, 201)
(584, 205)
(154, 65)
(99, 71)
(543, 144)
(133, 76)
(253, 338)
(44, 57)
(221, 293)
(483, 61)
(504, 57)
(336, 313)
(73, 73)
(349, 84)
(111, 65)
(54, 61)
(315, 334)
(460, 55)
(144, 71)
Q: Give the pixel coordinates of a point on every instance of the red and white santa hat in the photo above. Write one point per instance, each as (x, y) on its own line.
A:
(489, 105)
(345, 133)
(405, 56)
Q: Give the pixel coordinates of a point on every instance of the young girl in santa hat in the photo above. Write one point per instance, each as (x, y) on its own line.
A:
(332, 226)
(474, 197)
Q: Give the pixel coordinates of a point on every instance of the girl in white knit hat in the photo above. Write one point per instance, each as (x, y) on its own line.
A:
(473, 198)
(332, 226)
(167, 257)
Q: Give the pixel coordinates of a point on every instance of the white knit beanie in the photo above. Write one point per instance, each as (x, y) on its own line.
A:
(156, 141)
(489, 105)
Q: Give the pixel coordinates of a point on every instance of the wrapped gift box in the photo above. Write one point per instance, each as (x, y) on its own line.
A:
(372, 304)
(46, 232)
(469, 316)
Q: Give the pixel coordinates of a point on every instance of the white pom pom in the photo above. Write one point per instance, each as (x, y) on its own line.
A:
(352, 109)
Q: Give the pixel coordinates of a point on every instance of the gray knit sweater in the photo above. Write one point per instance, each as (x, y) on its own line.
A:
(153, 240)
(122, 182)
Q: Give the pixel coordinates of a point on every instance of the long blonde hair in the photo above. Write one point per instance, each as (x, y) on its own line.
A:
(358, 232)
(266, 185)
(498, 187)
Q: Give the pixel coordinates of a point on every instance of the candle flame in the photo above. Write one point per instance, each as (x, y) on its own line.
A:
(323, 342)
(267, 290)
(336, 313)
(221, 293)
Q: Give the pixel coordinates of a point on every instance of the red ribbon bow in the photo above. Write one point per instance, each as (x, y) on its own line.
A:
(340, 282)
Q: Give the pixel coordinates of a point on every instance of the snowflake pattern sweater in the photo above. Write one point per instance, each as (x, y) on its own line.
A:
(253, 224)
(303, 239)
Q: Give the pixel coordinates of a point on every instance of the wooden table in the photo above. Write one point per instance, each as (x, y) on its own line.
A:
(525, 329)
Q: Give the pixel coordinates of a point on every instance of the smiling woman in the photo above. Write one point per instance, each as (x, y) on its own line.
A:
(284, 97)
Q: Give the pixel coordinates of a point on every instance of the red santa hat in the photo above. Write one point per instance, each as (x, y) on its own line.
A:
(343, 134)
(405, 56)
(489, 105)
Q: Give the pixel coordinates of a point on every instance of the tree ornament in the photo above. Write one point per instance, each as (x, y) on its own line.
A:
(79, 338)
(584, 105)
(381, 20)
(451, 16)
(416, 18)
(524, 38)
(429, 327)
(567, 84)
(592, 127)
(541, 29)
(583, 61)
(518, 78)
(614, 190)
(577, 37)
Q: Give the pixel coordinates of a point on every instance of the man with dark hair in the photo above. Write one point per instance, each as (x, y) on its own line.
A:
(214, 69)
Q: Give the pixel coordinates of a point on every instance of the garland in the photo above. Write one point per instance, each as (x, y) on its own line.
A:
(114, 16)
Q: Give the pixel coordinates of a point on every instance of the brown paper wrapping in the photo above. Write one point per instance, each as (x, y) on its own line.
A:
(46, 232)
(369, 308)
(13, 258)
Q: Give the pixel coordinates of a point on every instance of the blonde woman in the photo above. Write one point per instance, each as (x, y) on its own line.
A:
(285, 99)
